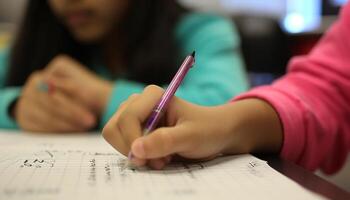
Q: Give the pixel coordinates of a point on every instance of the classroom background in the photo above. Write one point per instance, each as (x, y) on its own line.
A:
(272, 31)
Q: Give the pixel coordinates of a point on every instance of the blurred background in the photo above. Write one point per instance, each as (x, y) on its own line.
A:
(272, 31)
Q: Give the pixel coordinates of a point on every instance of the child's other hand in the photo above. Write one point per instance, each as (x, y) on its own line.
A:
(189, 131)
(79, 83)
(40, 111)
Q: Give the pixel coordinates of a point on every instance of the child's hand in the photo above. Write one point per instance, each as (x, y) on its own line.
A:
(79, 83)
(190, 131)
(39, 111)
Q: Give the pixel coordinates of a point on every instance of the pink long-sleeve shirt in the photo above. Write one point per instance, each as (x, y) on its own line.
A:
(313, 101)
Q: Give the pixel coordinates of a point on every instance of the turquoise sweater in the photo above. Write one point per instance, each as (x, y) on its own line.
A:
(217, 76)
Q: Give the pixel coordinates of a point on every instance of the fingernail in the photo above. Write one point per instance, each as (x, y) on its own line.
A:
(138, 149)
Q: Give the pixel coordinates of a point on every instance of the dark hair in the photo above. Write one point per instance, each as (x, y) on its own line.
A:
(149, 51)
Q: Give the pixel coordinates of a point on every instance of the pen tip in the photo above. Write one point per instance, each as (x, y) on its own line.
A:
(193, 54)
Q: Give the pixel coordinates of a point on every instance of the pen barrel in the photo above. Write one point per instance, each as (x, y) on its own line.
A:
(175, 83)
(152, 121)
(160, 108)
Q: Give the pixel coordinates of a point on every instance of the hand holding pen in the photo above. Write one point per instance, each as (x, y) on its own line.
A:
(187, 131)
(163, 102)
(160, 108)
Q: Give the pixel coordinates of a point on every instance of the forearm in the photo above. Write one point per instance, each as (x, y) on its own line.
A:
(103, 94)
(253, 126)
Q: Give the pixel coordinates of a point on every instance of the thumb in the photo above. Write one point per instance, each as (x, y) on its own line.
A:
(163, 142)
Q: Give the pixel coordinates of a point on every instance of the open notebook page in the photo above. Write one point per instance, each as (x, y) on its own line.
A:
(85, 167)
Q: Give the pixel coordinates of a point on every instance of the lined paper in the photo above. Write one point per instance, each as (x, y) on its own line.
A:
(86, 167)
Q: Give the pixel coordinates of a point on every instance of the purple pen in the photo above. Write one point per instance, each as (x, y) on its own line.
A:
(160, 108)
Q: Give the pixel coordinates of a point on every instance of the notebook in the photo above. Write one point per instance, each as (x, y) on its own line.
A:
(84, 166)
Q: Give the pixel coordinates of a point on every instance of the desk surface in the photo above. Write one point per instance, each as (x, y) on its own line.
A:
(305, 178)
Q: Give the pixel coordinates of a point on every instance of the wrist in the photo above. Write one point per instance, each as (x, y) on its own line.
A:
(103, 95)
(254, 126)
(234, 138)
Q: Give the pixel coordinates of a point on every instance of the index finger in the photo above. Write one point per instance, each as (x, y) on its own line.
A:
(142, 107)
(126, 126)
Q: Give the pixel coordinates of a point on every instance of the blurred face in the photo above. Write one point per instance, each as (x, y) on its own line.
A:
(89, 21)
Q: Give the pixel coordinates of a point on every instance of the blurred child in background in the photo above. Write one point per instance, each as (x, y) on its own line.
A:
(92, 55)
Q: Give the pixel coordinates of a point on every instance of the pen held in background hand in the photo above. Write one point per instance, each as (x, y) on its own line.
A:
(160, 108)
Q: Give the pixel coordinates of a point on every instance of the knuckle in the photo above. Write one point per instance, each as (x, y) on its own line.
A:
(122, 122)
(60, 58)
(133, 97)
(36, 75)
(58, 62)
(122, 105)
(126, 103)
(115, 117)
(130, 115)
(153, 89)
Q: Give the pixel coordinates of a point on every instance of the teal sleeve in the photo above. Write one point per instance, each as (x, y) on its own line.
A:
(7, 94)
(7, 97)
(121, 91)
(219, 73)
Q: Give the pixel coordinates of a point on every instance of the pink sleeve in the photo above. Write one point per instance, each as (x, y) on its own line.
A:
(313, 102)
